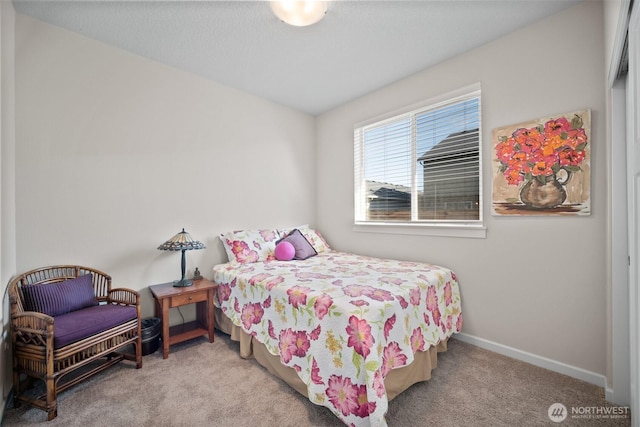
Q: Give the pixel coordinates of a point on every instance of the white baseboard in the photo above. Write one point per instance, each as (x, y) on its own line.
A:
(608, 394)
(534, 359)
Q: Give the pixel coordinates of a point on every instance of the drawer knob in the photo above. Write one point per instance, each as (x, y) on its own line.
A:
(190, 298)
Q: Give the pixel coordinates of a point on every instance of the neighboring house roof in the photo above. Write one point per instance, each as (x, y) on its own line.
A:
(392, 194)
(459, 144)
(385, 190)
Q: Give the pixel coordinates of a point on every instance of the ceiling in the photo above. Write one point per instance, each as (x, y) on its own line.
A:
(358, 47)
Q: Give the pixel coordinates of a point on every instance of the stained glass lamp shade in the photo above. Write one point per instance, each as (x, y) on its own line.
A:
(181, 242)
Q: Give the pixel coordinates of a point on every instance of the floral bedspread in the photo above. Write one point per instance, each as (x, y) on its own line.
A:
(342, 321)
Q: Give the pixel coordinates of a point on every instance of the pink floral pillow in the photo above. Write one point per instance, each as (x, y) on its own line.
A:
(313, 236)
(245, 246)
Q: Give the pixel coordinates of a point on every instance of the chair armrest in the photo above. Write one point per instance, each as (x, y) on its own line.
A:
(123, 296)
(31, 327)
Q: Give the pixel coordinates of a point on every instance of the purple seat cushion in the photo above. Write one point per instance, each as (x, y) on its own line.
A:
(79, 324)
(59, 298)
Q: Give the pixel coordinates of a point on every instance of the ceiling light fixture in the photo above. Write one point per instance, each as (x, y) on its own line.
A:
(299, 13)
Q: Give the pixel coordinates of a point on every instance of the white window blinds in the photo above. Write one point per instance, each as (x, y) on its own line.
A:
(421, 166)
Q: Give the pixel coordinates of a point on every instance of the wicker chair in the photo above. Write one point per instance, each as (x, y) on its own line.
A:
(35, 353)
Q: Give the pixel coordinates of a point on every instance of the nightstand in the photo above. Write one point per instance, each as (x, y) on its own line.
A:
(167, 296)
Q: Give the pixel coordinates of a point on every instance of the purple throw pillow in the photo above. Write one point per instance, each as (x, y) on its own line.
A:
(59, 298)
(303, 248)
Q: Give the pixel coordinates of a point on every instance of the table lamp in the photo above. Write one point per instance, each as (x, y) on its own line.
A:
(181, 242)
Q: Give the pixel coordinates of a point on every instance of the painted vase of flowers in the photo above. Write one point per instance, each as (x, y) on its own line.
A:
(542, 158)
(549, 194)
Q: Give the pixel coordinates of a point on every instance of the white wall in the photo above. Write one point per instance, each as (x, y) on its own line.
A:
(615, 11)
(7, 186)
(116, 153)
(537, 285)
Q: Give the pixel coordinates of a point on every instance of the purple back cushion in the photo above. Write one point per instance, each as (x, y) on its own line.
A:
(302, 246)
(59, 298)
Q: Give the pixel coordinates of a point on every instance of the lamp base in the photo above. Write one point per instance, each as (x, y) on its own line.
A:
(182, 283)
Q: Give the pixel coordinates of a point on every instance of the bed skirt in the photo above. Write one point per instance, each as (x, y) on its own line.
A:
(395, 383)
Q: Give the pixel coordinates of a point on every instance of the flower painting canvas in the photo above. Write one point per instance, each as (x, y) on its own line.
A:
(542, 167)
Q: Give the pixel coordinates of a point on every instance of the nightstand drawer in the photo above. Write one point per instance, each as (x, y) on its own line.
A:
(179, 300)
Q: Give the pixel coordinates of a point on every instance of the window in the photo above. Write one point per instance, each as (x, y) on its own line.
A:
(421, 166)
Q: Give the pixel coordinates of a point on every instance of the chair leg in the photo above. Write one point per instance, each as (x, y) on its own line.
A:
(52, 402)
(138, 346)
(52, 413)
(16, 388)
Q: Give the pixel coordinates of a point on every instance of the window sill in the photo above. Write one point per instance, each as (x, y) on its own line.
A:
(440, 230)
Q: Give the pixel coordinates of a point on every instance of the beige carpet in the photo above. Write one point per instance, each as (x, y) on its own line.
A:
(203, 384)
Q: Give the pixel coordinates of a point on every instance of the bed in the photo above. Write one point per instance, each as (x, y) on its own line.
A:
(348, 331)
